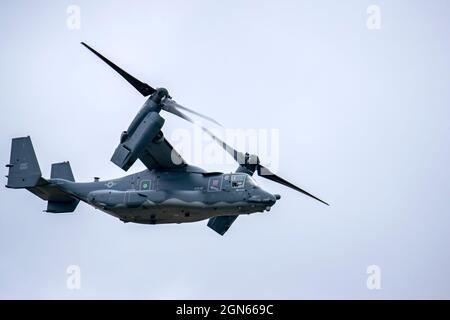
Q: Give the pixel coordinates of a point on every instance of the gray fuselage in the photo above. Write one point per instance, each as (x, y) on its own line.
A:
(155, 197)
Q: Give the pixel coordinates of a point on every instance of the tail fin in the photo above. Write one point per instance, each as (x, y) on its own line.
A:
(62, 170)
(61, 202)
(24, 171)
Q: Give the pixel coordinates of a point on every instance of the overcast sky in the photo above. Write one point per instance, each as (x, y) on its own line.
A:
(363, 121)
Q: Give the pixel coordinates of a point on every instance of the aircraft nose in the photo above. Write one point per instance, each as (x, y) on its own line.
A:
(270, 199)
(262, 197)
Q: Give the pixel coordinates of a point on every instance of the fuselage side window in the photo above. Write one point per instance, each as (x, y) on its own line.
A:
(146, 185)
(214, 184)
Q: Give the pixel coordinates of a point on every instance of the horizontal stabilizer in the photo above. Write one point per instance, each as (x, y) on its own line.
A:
(61, 207)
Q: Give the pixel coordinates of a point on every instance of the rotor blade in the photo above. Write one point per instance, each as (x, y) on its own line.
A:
(142, 87)
(238, 156)
(175, 104)
(271, 176)
(172, 109)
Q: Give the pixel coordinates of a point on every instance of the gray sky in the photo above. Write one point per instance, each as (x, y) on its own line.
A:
(363, 117)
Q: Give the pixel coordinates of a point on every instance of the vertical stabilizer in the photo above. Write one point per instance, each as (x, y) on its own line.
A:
(24, 171)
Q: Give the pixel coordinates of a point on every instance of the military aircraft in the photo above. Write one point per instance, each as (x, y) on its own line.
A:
(168, 191)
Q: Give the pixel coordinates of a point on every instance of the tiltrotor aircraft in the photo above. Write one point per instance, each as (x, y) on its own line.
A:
(169, 191)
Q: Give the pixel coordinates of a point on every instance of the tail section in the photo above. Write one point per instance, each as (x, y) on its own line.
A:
(24, 173)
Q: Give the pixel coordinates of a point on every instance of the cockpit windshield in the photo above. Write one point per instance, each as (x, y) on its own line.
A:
(241, 180)
(251, 182)
(238, 180)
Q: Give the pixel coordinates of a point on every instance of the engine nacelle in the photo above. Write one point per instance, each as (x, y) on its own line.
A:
(158, 138)
(133, 145)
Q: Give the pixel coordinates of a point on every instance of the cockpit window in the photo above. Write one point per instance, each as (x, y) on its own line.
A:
(250, 182)
(238, 180)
